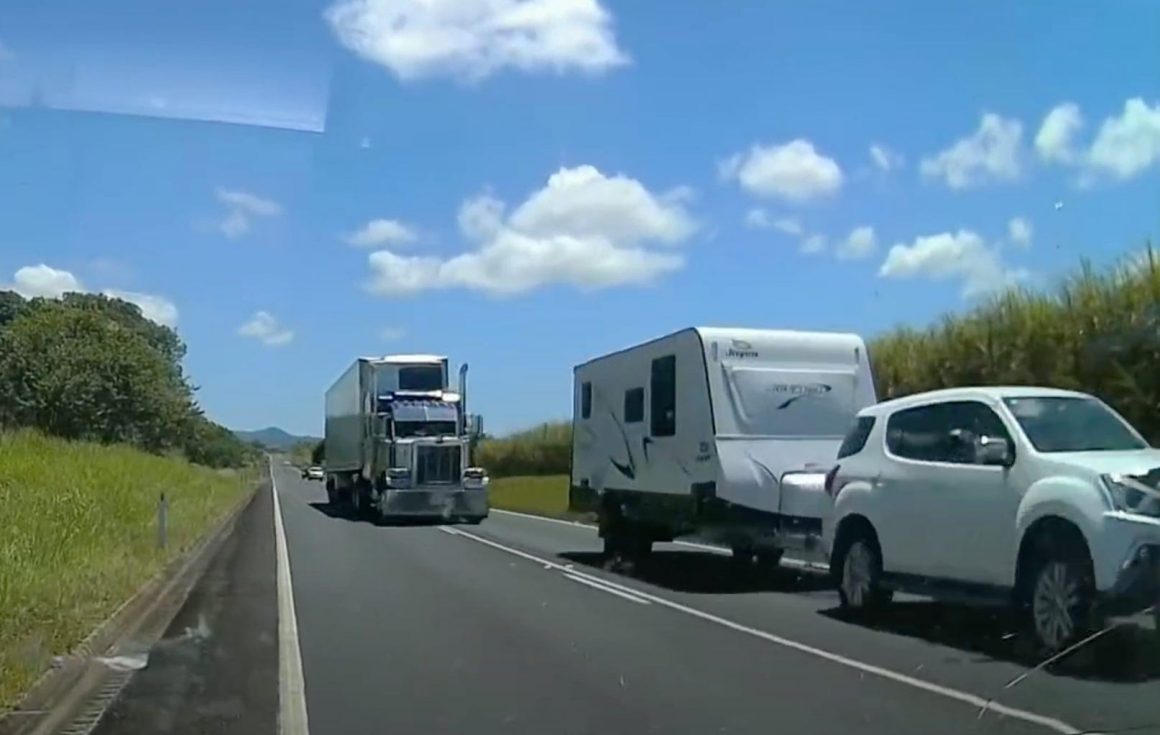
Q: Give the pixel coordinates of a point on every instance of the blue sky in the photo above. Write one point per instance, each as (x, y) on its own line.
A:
(525, 185)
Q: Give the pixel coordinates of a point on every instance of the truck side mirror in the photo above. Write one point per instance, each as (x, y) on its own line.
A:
(474, 425)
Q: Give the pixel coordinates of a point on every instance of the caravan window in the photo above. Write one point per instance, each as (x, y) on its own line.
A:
(634, 405)
(663, 389)
(585, 400)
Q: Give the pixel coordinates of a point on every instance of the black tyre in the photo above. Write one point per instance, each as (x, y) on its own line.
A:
(857, 569)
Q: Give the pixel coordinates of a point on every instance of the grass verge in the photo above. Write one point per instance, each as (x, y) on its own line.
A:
(80, 537)
(543, 495)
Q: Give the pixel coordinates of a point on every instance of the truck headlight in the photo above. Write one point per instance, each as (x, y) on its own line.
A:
(1126, 493)
(398, 477)
(475, 477)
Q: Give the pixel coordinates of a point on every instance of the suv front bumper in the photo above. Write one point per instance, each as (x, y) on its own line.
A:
(1129, 578)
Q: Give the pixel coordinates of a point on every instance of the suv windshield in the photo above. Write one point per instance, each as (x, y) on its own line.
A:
(1064, 424)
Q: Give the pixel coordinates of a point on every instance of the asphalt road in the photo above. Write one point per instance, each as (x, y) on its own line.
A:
(513, 626)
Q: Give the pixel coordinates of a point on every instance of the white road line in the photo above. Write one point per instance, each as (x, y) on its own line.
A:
(787, 561)
(448, 529)
(604, 588)
(973, 700)
(291, 685)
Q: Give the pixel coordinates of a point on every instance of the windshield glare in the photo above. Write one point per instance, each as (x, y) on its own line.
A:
(1065, 424)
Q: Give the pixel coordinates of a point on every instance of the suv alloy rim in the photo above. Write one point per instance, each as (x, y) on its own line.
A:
(1055, 599)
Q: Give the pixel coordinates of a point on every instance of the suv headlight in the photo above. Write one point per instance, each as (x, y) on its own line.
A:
(1126, 493)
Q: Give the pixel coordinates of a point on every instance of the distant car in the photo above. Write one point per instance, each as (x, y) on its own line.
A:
(313, 473)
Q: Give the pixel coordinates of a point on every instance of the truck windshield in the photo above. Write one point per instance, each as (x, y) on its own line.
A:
(405, 429)
(1066, 424)
(421, 377)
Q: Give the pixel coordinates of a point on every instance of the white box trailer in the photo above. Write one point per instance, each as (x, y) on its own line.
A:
(721, 433)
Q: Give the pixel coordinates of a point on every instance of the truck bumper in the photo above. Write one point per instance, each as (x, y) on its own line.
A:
(450, 503)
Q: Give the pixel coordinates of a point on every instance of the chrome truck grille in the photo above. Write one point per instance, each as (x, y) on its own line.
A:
(437, 464)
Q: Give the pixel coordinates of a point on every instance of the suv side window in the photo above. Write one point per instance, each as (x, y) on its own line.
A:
(970, 420)
(942, 432)
(856, 438)
(918, 433)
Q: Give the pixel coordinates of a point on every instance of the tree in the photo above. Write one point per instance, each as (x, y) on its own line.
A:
(12, 305)
(161, 338)
(76, 373)
(318, 454)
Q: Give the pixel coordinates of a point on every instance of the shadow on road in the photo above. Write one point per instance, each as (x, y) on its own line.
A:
(703, 572)
(1126, 654)
(1130, 653)
(344, 512)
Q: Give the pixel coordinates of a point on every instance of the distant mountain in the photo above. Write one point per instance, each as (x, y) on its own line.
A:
(274, 438)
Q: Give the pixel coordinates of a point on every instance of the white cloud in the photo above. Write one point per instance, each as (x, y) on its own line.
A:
(961, 255)
(860, 243)
(990, 154)
(1126, 145)
(154, 308)
(813, 244)
(583, 228)
(1055, 141)
(1020, 231)
(241, 208)
(474, 39)
(760, 219)
(794, 171)
(266, 329)
(884, 158)
(44, 281)
(392, 334)
(382, 232)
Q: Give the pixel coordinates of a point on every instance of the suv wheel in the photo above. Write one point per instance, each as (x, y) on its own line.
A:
(859, 573)
(1060, 603)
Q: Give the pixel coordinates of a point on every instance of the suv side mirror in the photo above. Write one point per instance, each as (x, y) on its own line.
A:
(993, 450)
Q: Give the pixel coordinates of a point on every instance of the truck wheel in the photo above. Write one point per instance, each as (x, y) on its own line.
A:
(1061, 597)
(858, 564)
(331, 493)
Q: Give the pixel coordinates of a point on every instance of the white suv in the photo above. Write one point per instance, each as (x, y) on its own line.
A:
(1042, 498)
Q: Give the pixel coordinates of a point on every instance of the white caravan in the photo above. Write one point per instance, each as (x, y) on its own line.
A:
(721, 433)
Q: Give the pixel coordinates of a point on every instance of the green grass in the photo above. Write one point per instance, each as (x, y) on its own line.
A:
(545, 495)
(79, 537)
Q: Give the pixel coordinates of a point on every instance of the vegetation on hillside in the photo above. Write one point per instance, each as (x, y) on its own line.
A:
(93, 368)
(80, 537)
(1097, 331)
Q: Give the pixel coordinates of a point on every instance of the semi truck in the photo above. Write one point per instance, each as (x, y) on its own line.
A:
(399, 442)
(717, 433)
